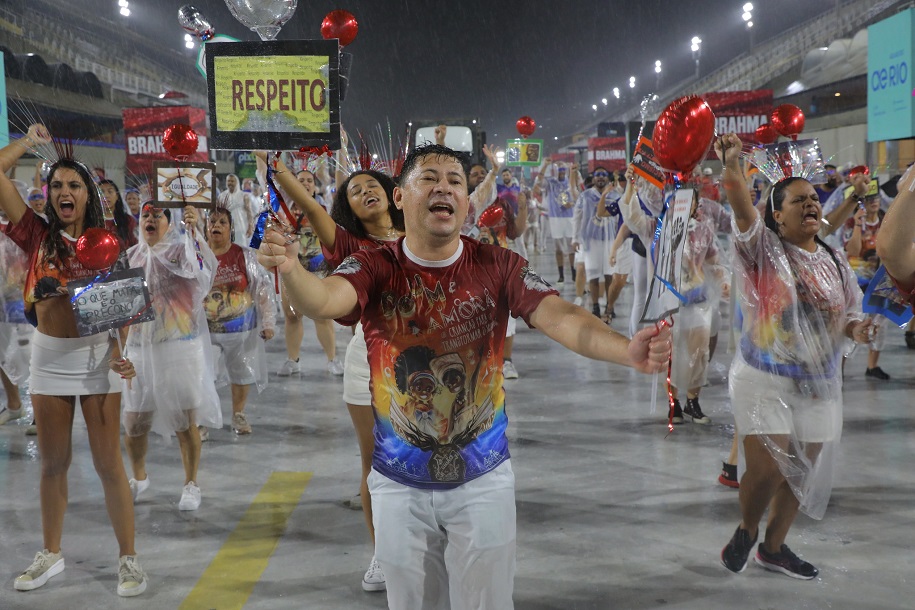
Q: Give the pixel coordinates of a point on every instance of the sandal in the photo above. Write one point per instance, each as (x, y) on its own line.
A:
(607, 316)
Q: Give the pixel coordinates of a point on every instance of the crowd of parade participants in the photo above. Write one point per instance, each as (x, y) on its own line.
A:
(776, 264)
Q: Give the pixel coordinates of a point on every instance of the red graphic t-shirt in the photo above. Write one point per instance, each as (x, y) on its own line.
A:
(47, 276)
(229, 305)
(345, 244)
(435, 333)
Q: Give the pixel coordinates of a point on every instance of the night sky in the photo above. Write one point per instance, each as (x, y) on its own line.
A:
(499, 59)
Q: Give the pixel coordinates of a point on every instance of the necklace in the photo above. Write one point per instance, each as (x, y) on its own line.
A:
(390, 233)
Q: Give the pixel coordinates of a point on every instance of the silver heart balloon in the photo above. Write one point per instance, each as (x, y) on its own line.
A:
(195, 23)
(265, 17)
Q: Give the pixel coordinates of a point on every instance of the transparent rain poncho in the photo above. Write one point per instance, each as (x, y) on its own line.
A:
(245, 314)
(701, 280)
(174, 386)
(15, 331)
(785, 381)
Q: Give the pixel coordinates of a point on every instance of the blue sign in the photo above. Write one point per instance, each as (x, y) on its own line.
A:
(4, 115)
(890, 89)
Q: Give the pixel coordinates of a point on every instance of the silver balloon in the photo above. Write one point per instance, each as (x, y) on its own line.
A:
(195, 23)
(265, 17)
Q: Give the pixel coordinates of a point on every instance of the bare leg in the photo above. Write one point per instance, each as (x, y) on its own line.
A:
(364, 422)
(782, 511)
(594, 288)
(507, 350)
(239, 397)
(13, 400)
(136, 451)
(54, 421)
(732, 455)
(189, 443)
(872, 357)
(759, 483)
(614, 288)
(559, 260)
(324, 329)
(294, 331)
(101, 412)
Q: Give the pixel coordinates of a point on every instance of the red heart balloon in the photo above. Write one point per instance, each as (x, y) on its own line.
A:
(766, 134)
(492, 215)
(526, 126)
(788, 120)
(683, 134)
(97, 249)
(859, 169)
(341, 25)
(180, 141)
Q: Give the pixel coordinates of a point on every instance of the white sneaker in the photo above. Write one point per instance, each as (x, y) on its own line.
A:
(334, 367)
(204, 433)
(508, 370)
(190, 497)
(240, 423)
(138, 487)
(7, 415)
(290, 367)
(354, 503)
(46, 565)
(374, 578)
(131, 577)
(578, 301)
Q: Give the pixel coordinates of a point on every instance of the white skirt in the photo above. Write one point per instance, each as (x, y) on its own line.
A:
(356, 371)
(72, 367)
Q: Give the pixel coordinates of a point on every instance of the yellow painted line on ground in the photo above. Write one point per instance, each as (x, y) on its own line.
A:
(229, 580)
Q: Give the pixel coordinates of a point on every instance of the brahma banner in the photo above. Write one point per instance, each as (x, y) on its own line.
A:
(143, 129)
(740, 112)
(609, 153)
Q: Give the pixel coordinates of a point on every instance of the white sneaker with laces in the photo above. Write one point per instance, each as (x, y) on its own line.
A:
(204, 433)
(131, 577)
(373, 580)
(334, 367)
(7, 415)
(190, 497)
(290, 367)
(508, 370)
(46, 565)
(138, 487)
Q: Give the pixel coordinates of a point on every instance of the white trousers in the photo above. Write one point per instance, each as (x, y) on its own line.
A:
(452, 549)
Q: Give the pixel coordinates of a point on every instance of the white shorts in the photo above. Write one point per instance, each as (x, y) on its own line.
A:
(356, 371)
(72, 367)
(596, 259)
(769, 404)
(447, 549)
(240, 362)
(624, 255)
(562, 230)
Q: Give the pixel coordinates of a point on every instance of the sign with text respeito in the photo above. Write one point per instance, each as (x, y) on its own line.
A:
(276, 95)
(890, 107)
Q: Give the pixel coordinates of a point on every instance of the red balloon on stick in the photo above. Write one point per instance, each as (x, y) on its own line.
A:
(683, 134)
(341, 25)
(180, 141)
(526, 126)
(97, 249)
(788, 120)
(766, 134)
(492, 215)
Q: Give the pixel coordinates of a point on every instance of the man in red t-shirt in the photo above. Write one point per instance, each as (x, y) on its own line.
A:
(435, 306)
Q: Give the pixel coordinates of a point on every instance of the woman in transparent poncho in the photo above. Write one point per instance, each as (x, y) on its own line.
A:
(800, 305)
(173, 389)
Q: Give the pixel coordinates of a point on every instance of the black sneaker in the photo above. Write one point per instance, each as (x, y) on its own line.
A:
(734, 556)
(595, 309)
(693, 410)
(573, 274)
(910, 340)
(677, 413)
(728, 476)
(877, 373)
(786, 562)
